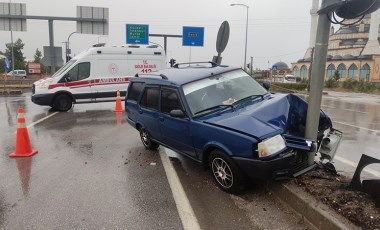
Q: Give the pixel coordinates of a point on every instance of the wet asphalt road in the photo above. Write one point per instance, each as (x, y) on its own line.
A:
(92, 172)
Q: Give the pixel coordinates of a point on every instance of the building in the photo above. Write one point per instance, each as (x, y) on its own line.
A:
(353, 50)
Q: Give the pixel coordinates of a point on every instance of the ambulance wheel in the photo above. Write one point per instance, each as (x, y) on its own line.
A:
(63, 103)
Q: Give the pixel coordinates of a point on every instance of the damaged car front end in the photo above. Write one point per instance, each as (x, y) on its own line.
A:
(277, 123)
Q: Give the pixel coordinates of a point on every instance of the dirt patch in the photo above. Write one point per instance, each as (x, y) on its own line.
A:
(333, 190)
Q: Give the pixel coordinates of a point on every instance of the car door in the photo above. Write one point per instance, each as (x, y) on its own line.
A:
(77, 79)
(175, 131)
(149, 111)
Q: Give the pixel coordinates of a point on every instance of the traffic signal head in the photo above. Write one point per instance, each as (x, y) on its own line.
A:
(172, 62)
(349, 9)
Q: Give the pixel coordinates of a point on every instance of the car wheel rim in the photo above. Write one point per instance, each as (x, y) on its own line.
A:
(222, 173)
(145, 137)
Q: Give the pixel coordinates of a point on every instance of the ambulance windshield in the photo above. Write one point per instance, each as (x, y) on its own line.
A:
(64, 68)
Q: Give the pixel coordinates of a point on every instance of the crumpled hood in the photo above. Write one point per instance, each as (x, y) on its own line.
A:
(279, 113)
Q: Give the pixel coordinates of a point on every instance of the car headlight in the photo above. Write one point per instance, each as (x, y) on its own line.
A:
(271, 146)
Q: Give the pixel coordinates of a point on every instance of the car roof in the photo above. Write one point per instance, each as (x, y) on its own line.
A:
(180, 76)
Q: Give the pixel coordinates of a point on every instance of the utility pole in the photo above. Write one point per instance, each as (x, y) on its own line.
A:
(317, 76)
(310, 69)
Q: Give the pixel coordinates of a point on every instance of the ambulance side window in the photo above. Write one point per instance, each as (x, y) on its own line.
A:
(79, 72)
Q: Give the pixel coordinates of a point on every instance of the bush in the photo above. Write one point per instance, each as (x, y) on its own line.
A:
(364, 86)
(332, 83)
(350, 83)
(291, 86)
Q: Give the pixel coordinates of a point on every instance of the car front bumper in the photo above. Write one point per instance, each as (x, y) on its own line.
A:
(282, 167)
(42, 99)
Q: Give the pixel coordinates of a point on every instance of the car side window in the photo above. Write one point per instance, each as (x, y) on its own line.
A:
(135, 91)
(170, 100)
(150, 98)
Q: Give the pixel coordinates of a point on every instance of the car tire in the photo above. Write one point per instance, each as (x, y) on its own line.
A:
(147, 140)
(63, 103)
(225, 173)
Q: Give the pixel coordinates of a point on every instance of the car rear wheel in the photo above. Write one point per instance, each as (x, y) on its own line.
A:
(146, 140)
(225, 173)
(63, 103)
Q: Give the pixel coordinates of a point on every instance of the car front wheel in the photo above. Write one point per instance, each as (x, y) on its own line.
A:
(225, 173)
(146, 140)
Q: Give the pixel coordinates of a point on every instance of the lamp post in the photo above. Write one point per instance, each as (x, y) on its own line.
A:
(68, 52)
(246, 33)
(12, 50)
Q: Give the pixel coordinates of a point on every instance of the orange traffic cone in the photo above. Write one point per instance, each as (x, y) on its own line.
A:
(23, 147)
(118, 107)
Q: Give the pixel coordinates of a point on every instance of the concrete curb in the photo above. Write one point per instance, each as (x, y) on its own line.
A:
(316, 213)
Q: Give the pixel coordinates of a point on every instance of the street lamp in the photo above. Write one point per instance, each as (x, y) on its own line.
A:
(68, 51)
(246, 34)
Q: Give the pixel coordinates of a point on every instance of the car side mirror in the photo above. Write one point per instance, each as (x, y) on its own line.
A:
(266, 85)
(177, 113)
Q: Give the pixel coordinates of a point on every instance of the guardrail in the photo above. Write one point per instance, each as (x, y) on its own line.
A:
(17, 82)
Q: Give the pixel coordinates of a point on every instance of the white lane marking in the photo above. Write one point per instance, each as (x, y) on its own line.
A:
(185, 211)
(358, 127)
(353, 164)
(42, 119)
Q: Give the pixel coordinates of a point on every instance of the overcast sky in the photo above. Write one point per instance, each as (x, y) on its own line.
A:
(277, 29)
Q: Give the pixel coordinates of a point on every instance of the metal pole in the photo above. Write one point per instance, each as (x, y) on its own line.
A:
(251, 65)
(68, 44)
(246, 34)
(165, 43)
(51, 41)
(317, 77)
(13, 54)
(246, 39)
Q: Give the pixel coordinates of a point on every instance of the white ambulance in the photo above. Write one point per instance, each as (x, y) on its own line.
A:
(96, 74)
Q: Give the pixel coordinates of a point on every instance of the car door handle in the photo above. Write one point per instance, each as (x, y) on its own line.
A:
(161, 118)
(140, 111)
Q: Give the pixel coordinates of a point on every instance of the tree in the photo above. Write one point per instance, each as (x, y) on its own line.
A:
(336, 75)
(37, 59)
(19, 59)
(37, 56)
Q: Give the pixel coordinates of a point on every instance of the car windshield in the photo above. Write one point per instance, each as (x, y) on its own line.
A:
(224, 89)
(64, 68)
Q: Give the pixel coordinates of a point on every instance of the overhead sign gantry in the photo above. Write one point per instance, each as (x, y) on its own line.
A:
(90, 20)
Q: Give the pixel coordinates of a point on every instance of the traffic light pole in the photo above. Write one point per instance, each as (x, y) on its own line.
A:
(317, 80)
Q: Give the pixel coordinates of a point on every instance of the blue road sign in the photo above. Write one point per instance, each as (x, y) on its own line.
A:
(192, 36)
(137, 34)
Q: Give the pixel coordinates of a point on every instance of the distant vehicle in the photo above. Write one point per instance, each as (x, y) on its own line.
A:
(95, 75)
(289, 79)
(17, 73)
(220, 116)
